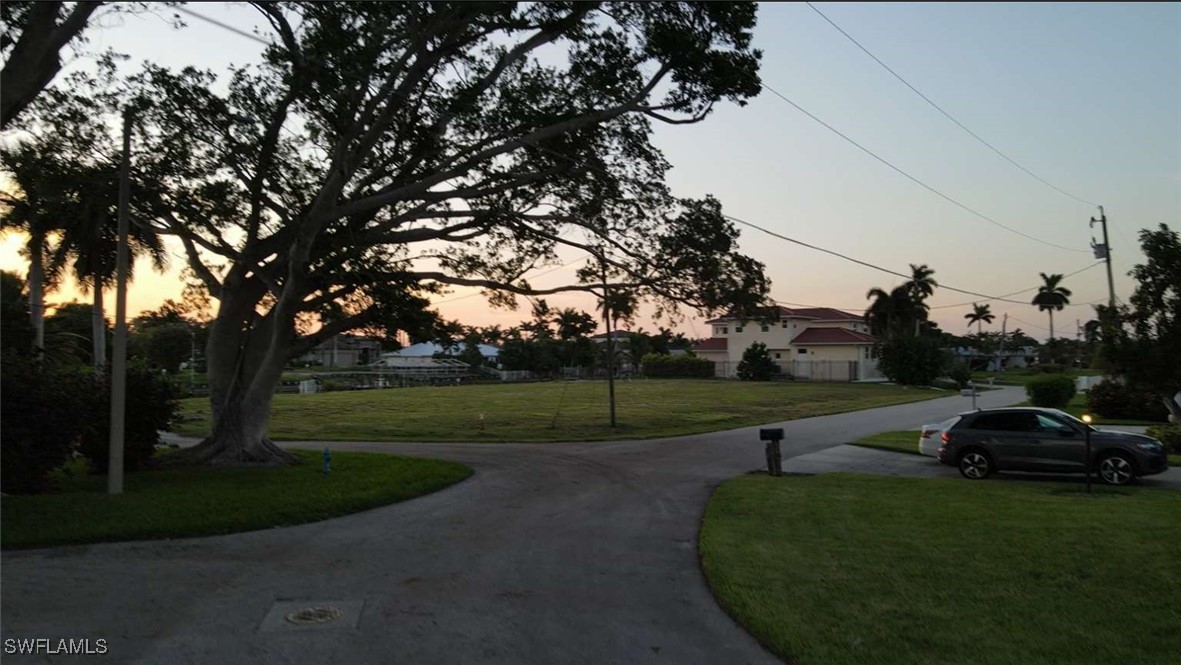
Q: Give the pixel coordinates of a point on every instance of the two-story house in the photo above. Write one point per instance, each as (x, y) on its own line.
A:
(817, 343)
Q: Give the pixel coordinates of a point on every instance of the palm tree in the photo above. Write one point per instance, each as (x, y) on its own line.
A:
(1051, 296)
(980, 314)
(33, 209)
(894, 312)
(90, 240)
(921, 285)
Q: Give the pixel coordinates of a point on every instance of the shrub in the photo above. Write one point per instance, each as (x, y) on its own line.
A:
(1052, 391)
(912, 361)
(756, 364)
(960, 373)
(151, 407)
(1170, 435)
(662, 366)
(1113, 399)
(41, 416)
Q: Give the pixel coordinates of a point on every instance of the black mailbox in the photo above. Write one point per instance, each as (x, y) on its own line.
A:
(771, 434)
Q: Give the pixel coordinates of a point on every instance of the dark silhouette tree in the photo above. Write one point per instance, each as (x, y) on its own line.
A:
(979, 315)
(1051, 296)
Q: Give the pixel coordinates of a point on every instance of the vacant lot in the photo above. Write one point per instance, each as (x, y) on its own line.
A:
(846, 569)
(555, 411)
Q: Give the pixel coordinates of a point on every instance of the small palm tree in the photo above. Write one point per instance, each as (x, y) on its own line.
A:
(979, 315)
(1051, 296)
(921, 285)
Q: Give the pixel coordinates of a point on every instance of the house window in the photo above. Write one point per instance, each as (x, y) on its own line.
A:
(866, 352)
(776, 355)
(803, 351)
(783, 323)
(763, 328)
(737, 329)
(725, 330)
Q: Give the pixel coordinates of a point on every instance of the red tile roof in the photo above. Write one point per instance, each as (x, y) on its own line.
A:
(832, 336)
(713, 344)
(814, 313)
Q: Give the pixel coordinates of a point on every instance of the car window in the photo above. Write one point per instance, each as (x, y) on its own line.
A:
(1007, 422)
(1050, 424)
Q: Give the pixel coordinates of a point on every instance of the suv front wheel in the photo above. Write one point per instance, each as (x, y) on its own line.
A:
(975, 464)
(1116, 469)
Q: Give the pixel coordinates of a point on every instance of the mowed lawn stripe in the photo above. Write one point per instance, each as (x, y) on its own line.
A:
(555, 410)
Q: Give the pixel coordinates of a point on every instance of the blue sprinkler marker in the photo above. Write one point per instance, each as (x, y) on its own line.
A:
(327, 461)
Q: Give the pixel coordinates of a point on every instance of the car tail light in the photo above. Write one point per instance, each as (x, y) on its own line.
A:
(945, 437)
(928, 432)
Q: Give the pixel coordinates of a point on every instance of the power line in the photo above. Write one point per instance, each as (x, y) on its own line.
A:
(915, 180)
(1032, 288)
(863, 263)
(226, 26)
(945, 113)
(764, 230)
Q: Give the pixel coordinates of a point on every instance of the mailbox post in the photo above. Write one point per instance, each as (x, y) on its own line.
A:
(774, 456)
(970, 391)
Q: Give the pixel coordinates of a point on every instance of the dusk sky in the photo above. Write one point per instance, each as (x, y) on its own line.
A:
(1086, 96)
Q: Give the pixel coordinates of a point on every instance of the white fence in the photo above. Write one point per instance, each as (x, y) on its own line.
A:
(812, 370)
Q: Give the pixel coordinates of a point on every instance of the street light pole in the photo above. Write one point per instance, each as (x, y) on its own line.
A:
(119, 352)
(1087, 463)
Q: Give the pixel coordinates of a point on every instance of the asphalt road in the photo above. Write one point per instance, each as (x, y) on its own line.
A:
(549, 554)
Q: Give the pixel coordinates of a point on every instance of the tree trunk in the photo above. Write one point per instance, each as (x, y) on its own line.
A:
(1051, 324)
(37, 291)
(98, 328)
(242, 381)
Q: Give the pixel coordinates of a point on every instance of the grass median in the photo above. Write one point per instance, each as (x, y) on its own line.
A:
(176, 503)
(845, 569)
(556, 410)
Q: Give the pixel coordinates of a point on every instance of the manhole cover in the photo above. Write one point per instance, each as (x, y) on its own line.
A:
(315, 615)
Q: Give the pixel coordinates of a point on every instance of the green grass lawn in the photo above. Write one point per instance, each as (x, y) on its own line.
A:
(176, 503)
(898, 442)
(845, 569)
(556, 410)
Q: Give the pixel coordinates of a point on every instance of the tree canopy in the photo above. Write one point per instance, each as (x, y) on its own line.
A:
(381, 152)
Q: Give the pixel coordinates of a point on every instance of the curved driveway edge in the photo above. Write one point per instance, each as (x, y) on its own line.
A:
(550, 553)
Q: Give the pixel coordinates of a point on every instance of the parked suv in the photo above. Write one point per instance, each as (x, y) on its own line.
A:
(1048, 440)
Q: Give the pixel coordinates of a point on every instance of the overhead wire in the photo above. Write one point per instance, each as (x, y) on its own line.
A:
(913, 179)
(944, 112)
(760, 228)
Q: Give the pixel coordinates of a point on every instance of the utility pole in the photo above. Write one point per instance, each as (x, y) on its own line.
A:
(119, 353)
(1104, 252)
(1000, 356)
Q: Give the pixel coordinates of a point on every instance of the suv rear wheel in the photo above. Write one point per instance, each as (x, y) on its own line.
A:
(1116, 469)
(975, 464)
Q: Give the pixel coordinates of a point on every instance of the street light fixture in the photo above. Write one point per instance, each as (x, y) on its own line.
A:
(1087, 436)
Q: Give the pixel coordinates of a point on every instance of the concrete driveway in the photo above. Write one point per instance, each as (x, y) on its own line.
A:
(550, 553)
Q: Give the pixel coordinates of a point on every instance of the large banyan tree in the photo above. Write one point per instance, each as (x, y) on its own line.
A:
(381, 152)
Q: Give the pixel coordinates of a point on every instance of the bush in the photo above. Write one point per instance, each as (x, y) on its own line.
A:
(756, 364)
(912, 361)
(662, 366)
(151, 407)
(43, 412)
(1052, 391)
(960, 373)
(1170, 435)
(1113, 399)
